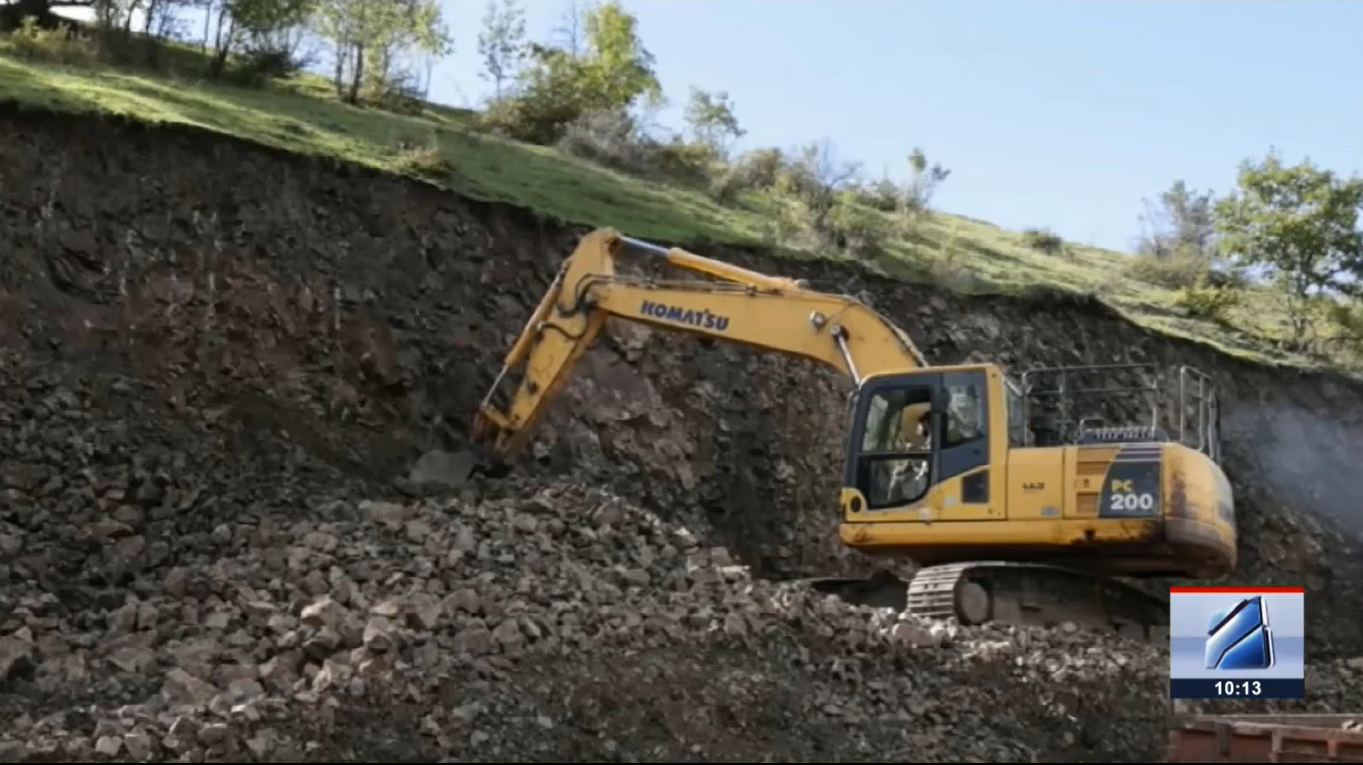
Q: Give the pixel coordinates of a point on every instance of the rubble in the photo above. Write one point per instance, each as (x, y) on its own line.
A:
(513, 617)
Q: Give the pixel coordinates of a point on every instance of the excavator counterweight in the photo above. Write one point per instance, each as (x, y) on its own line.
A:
(1019, 503)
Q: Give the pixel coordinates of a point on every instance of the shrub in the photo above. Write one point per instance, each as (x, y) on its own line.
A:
(539, 117)
(257, 66)
(607, 138)
(1175, 272)
(423, 158)
(857, 230)
(613, 139)
(884, 195)
(757, 169)
(688, 161)
(63, 44)
(1205, 301)
(1044, 241)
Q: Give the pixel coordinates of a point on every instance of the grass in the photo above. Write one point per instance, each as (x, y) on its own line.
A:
(440, 145)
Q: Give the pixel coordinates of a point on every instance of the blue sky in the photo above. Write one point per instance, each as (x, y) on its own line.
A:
(1050, 113)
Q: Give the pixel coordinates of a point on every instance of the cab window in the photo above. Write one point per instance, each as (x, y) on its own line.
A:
(898, 421)
(964, 422)
(896, 445)
(1017, 415)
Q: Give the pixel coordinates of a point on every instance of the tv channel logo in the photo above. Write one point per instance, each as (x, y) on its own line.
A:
(1237, 642)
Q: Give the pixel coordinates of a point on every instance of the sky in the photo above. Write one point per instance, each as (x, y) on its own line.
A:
(1060, 114)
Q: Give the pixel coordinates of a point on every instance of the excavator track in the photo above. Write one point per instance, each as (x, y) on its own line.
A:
(1014, 593)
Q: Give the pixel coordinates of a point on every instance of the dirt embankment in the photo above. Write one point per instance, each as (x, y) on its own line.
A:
(219, 353)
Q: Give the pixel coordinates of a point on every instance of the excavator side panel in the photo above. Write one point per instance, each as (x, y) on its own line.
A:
(1037, 484)
(1087, 470)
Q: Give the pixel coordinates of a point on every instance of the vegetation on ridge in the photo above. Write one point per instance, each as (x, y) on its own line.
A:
(1267, 270)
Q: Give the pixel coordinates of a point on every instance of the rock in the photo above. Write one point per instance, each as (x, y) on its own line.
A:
(132, 658)
(138, 745)
(325, 612)
(508, 635)
(390, 514)
(476, 640)
(378, 635)
(109, 746)
(13, 751)
(443, 469)
(16, 657)
(183, 688)
(323, 643)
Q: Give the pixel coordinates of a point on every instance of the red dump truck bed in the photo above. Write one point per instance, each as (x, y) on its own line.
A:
(1267, 738)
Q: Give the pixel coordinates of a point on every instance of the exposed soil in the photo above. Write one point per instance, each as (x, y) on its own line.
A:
(220, 363)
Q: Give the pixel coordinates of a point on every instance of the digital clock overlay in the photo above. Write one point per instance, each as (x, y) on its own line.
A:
(1237, 642)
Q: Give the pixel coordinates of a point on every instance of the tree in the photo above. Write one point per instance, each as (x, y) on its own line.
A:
(559, 86)
(1180, 224)
(712, 120)
(816, 177)
(1301, 224)
(618, 68)
(502, 42)
(924, 179)
(568, 33)
(253, 19)
(367, 36)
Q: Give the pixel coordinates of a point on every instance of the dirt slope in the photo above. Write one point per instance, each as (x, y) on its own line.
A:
(222, 361)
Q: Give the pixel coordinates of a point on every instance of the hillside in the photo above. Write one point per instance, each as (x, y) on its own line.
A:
(443, 146)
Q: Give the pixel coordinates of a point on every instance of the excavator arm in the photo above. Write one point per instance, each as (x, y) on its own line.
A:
(746, 307)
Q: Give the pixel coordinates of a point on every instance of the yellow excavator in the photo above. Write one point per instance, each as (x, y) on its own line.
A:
(1015, 508)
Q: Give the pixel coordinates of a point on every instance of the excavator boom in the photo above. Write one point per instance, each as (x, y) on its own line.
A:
(747, 308)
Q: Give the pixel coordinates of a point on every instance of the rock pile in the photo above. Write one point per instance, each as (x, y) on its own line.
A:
(524, 622)
(160, 602)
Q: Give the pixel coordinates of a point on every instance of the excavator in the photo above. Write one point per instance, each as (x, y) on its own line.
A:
(1013, 508)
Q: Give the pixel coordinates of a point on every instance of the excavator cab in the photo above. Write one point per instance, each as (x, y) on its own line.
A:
(921, 432)
(943, 468)
(941, 464)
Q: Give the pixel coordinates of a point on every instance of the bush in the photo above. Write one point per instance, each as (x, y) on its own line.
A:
(683, 160)
(1233, 278)
(884, 195)
(857, 230)
(423, 158)
(63, 45)
(539, 117)
(1044, 241)
(256, 67)
(613, 139)
(1348, 319)
(607, 138)
(755, 170)
(400, 94)
(1204, 301)
(1175, 272)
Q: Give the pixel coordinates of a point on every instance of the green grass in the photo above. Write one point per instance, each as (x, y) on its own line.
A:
(440, 145)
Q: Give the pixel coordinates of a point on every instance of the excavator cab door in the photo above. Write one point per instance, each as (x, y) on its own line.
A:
(912, 432)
